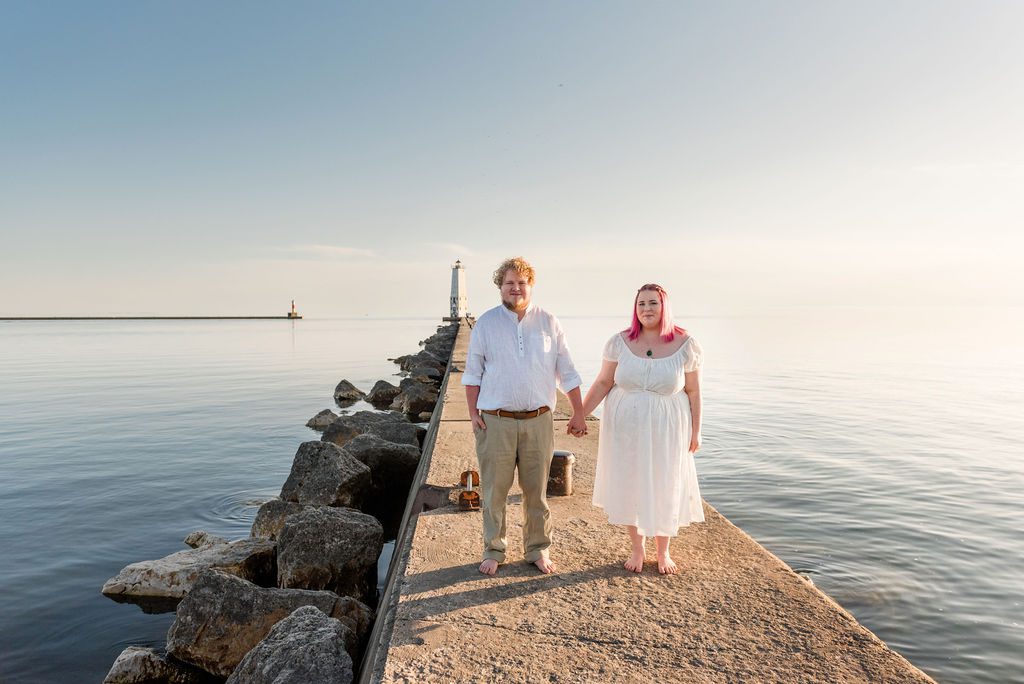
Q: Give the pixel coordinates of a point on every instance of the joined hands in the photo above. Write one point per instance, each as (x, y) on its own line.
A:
(577, 425)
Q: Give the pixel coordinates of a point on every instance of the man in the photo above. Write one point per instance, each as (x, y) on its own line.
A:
(517, 352)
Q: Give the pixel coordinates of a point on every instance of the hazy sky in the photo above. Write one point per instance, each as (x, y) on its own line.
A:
(193, 157)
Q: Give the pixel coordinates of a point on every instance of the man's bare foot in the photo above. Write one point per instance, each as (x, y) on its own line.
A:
(489, 567)
(666, 566)
(544, 563)
(635, 562)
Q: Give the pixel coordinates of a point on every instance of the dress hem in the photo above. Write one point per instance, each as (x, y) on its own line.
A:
(644, 533)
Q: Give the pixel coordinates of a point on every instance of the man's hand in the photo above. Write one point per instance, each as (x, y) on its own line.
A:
(477, 421)
(577, 425)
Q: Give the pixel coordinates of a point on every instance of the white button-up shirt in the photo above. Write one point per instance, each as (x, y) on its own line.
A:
(517, 363)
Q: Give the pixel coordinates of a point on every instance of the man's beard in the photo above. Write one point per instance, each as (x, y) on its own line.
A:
(513, 309)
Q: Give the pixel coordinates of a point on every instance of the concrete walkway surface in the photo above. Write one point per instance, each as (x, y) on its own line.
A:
(734, 613)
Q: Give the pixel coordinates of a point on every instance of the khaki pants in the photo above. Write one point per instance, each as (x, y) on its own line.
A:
(506, 444)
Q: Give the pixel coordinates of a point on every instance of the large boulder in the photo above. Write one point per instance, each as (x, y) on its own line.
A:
(392, 466)
(346, 393)
(382, 394)
(426, 374)
(224, 617)
(321, 420)
(440, 343)
(421, 358)
(390, 426)
(330, 548)
(416, 397)
(307, 647)
(138, 665)
(174, 575)
(324, 475)
(270, 517)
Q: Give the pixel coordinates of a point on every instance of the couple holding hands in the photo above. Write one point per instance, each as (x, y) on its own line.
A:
(650, 381)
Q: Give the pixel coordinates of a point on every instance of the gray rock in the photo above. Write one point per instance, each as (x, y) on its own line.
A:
(224, 617)
(137, 665)
(270, 517)
(323, 475)
(346, 393)
(426, 374)
(392, 466)
(416, 397)
(307, 647)
(382, 394)
(390, 426)
(173, 576)
(440, 344)
(421, 358)
(330, 548)
(203, 538)
(321, 420)
(399, 432)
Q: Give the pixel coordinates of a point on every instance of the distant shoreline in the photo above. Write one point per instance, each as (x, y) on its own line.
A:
(150, 318)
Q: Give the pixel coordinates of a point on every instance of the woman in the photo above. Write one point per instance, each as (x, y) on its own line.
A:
(650, 429)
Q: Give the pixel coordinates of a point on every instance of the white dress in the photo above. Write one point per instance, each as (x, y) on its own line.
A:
(645, 473)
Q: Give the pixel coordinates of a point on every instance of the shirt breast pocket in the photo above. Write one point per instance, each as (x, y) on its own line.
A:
(545, 343)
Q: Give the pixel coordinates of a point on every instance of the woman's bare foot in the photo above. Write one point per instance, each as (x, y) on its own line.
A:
(489, 567)
(666, 566)
(635, 562)
(544, 563)
(637, 541)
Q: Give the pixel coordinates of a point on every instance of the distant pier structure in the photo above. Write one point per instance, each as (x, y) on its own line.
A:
(458, 298)
(293, 313)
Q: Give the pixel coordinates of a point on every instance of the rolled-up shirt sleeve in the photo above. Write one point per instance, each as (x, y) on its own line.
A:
(473, 374)
(568, 378)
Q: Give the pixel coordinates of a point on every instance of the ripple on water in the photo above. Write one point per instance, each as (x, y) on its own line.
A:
(233, 514)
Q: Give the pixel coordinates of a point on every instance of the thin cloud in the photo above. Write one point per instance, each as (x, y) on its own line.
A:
(330, 251)
(951, 169)
(954, 169)
(454, 248)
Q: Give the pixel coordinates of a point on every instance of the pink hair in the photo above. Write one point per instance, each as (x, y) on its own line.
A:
(669, 329)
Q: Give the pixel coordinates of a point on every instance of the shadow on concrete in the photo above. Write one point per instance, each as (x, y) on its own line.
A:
(514, 580)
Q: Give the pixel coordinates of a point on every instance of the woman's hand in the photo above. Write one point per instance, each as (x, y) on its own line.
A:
(694, 443)
(577, 425)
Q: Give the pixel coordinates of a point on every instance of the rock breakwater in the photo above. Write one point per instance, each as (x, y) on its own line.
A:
(293, 603)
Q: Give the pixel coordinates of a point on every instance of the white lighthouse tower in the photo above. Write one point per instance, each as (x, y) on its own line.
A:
(458, 299)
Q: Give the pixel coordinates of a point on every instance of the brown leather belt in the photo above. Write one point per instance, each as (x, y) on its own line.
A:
(518, 415)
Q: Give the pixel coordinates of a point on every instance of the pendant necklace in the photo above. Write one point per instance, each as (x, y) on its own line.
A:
(650, 352)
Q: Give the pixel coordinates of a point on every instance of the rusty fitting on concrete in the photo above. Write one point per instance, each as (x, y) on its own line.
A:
(469, 498)
(560, 476)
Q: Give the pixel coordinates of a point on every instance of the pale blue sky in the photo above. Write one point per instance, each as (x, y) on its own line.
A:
(208, 158)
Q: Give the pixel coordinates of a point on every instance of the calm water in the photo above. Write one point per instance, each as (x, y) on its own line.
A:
(877, 452)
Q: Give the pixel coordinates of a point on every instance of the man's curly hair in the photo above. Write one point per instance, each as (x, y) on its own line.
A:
(514, 264)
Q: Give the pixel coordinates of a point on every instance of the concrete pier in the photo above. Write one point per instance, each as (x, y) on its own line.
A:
(734, 613)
